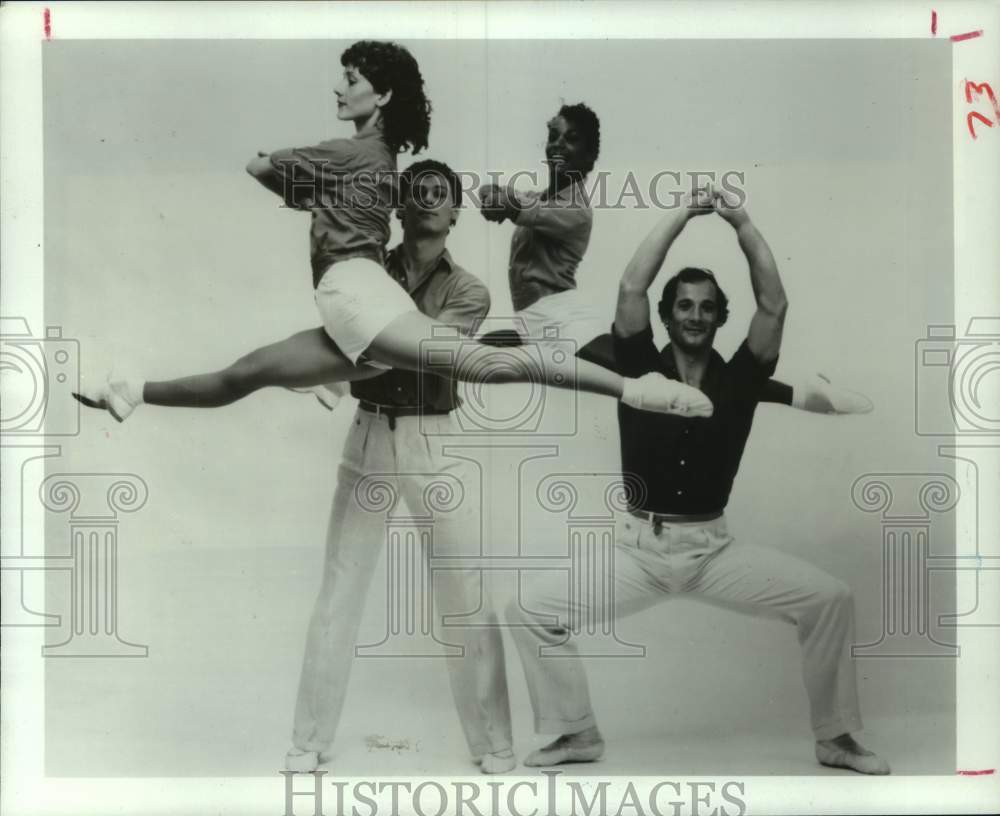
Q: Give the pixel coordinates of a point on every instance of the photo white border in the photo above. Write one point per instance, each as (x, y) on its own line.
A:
(977, 292)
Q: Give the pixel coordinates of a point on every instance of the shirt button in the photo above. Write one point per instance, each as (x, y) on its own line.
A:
(682, 461)
(680, 492)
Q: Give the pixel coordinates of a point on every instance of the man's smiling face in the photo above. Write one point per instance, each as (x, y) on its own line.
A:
(694, 316)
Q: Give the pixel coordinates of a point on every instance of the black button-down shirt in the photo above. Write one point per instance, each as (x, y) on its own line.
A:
(687, 465)
(450, 295)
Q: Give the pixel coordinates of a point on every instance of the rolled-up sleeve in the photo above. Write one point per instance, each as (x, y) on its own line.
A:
(467, 304)
(747, 370)
(313, 171)
(636, 354)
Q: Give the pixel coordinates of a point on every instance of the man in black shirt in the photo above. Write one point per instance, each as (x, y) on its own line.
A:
(674, 538)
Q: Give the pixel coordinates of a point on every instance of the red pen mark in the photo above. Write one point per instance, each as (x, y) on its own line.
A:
(47, 22)
(979, 90)
(969, 35)
(977, 773)
(933, 23)
(981, 118)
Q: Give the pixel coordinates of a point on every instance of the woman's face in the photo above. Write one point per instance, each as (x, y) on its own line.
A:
(565, 148)
(356, 98)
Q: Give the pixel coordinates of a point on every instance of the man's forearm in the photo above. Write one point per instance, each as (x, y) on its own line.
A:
(764, 278)
(645, 264)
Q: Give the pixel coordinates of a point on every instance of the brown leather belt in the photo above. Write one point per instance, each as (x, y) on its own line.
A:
(390, 412)
(659, 519)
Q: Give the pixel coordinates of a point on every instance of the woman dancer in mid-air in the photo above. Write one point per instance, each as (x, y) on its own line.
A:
(369, 322)
(551, 235)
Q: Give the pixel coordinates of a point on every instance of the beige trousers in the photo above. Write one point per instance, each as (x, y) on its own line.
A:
(411, 461)
(700, 560)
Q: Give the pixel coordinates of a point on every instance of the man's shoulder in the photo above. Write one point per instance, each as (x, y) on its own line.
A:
(636, 353)
(369, 153)
(464, 281)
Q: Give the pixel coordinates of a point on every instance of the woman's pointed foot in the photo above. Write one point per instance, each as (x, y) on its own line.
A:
(119, 397)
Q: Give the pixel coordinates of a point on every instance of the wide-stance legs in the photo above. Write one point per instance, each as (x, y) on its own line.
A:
(654, 563)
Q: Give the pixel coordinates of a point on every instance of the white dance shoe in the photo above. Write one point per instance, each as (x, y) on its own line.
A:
(821, 396)
(654, 392)
(302, 761)
(497, 763)
(119, 397)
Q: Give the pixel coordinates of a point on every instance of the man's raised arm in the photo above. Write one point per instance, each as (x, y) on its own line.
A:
(764, 337)
(632, 312)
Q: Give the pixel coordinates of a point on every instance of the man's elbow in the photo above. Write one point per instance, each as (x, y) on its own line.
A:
(629, 288)
(775, 306)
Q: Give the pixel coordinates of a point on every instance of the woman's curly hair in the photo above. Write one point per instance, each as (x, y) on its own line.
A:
(406, 119)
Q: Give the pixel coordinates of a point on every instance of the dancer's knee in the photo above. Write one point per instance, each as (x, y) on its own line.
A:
(247, 374)
(835, 592)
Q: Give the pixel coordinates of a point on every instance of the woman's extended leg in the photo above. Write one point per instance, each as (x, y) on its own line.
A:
(411, 342)
(307, 358)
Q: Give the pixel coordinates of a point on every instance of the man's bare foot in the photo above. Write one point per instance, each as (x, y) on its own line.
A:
(584, 746)
(845, 752)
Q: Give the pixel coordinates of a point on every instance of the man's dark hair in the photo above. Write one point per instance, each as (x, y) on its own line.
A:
(412, 174)
(692, 274)
(585, 121)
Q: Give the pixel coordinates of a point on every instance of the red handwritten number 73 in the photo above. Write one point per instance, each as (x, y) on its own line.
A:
(979, 90)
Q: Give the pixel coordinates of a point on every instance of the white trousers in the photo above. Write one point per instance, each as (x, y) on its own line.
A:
(653, 564)
(408, 460)
(569, 314)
